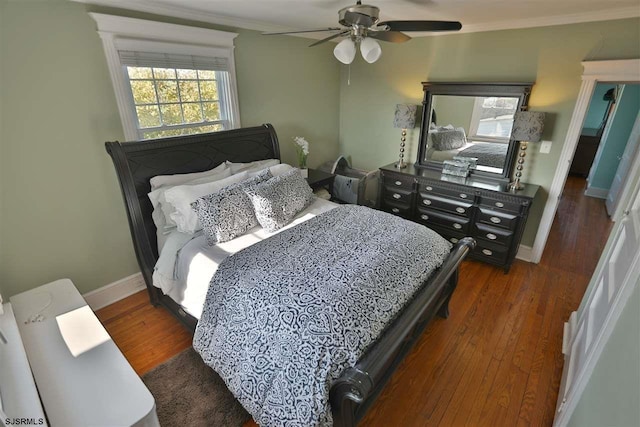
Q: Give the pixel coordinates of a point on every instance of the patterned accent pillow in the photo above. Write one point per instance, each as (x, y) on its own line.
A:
(278, 200)
(228, 213)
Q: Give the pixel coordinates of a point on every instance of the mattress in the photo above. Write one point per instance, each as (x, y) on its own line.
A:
(186, 263)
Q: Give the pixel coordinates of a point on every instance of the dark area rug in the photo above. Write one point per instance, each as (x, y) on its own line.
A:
(189, 393)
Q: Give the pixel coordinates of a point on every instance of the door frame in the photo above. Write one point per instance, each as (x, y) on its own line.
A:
(618, 71)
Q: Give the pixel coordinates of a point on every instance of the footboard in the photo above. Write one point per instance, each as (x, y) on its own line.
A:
(356, 389)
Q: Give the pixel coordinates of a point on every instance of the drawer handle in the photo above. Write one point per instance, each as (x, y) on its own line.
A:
(457, 226)
(453, 240)
(491, 236)
(428, 188)
(495, 220)
(398, 182)
(487, 252)
(426, 202)
(463, 196)
(397, 196)
(395, 210)
(500, 204)
(460, 210)
(425, 217)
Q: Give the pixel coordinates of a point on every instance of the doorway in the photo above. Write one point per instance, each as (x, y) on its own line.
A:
(619, 71)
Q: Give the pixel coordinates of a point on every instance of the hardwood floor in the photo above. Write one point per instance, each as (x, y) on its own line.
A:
(496, 361)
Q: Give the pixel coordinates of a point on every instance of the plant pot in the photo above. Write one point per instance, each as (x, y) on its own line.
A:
(304, 172)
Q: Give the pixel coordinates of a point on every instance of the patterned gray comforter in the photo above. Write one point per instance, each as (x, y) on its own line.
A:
(488, 153)
(284, 317)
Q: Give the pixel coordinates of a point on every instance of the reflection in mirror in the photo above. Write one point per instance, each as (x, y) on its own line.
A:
(475, 127)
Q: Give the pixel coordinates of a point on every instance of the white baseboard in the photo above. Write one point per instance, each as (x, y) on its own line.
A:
(525, 253)
(600, 193)
(115, 291)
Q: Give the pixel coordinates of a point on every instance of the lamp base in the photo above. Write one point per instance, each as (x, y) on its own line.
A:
(400, 165)
(516, 185)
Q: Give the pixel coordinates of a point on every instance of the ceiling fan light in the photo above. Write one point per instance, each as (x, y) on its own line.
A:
(345, 51)
(370, 50)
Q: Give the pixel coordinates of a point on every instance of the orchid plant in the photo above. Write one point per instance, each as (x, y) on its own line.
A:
(302, 149)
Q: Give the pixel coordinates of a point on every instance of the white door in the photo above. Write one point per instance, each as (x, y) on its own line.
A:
(586, 333)
(631, 150)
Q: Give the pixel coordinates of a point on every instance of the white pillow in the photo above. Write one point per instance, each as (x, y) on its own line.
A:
(183, 178)
(256, 166)
(276, 170)
(162, 210)
(181, 197)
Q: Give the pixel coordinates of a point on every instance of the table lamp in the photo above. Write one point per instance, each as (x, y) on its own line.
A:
(405, 117)
(527, 127)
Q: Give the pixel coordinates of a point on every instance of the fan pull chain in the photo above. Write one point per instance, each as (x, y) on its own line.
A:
(349, 76)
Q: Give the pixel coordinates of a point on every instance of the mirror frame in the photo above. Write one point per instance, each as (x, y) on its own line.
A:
(519, 90)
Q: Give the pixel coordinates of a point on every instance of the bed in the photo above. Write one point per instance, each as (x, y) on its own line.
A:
(356, 388)
(490, 154)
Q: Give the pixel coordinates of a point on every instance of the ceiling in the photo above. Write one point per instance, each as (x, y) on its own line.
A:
(475, 15)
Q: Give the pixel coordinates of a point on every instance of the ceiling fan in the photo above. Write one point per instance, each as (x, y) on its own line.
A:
(361, 25)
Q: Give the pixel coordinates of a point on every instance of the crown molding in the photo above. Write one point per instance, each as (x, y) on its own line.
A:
(548, 21)
(149, 6)
(186, 13)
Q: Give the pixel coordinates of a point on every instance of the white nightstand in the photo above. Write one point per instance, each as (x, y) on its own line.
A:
(82, 377)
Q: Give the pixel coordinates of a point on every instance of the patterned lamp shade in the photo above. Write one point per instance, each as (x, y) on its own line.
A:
(405, 117)
(528, 126)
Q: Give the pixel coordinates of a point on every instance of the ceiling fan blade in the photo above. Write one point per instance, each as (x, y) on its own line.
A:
(355, 18)
(333, 36)
(316, 30)
(422, 25)
(389, 36)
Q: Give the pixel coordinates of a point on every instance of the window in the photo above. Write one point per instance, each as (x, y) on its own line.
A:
(492, 118)
(170, 79)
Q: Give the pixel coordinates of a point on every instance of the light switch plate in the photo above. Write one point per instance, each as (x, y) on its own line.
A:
(545, 147)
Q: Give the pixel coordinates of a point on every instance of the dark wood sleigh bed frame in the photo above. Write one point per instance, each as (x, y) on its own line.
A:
(356, 389)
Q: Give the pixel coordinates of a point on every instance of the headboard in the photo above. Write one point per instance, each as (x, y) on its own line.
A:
(137, 162)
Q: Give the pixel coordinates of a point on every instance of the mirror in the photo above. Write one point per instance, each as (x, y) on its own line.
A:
(471, 121)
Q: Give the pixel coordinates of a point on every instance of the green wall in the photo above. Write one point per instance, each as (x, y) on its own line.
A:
(454, 110)
(612, 395)
(62, 214)
(616, 141)
(549, 56)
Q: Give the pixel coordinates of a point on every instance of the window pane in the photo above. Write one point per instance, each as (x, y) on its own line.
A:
(183, 131)
(192, 113)
(143, 92)
(187, 74)
(206, 74)
(209, 90)
(171, 114)
(211, 110)
(148, 116)
(189, 91)
(164, 73)
(167, 90)
(139, 72)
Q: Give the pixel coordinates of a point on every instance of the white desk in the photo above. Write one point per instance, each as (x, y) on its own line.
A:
(97, 386)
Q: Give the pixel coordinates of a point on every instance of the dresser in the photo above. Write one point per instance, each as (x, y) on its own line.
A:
(458, 207)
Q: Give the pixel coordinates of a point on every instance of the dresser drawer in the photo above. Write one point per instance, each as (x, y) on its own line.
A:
(497, 218)
(441, 219)
(497, 204)
(397, 195)
(492, 253)
(493, 234)
(449, 205)
(454, 194)
(398, 181)
(449, 235)
(396, 209)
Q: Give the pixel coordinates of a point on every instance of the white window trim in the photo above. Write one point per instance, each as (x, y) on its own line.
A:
(475, 123)
(121, 33)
